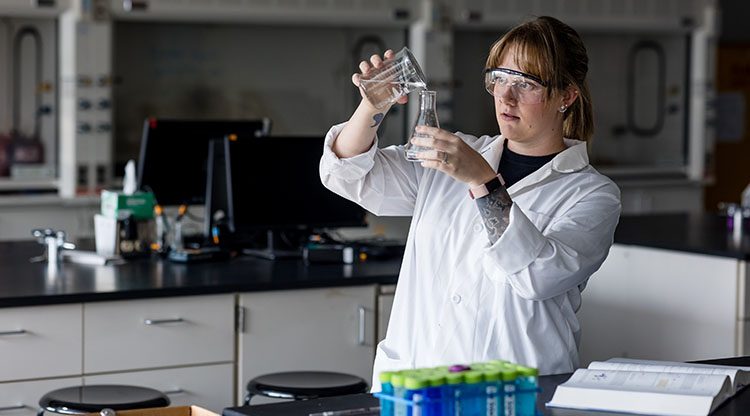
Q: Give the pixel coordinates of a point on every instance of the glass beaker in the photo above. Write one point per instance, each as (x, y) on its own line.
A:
(394, 79)
(427, 117)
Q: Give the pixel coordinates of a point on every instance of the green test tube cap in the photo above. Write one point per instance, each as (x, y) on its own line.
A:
(527, 371)
(473, 377)
(385, 376)
(509, 373)
(454, 378)
(397, 379)
(493, 374)
(415, 382)
(436, 380)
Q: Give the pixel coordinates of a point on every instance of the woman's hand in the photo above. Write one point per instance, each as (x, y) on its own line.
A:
(365, 67)
(453, 156)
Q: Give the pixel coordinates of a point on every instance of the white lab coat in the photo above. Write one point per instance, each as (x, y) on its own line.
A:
(460, 299)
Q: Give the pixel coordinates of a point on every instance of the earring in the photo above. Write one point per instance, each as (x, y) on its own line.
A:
(563, 108)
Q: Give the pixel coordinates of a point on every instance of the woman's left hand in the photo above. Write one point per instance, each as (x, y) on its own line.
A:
(453, 156)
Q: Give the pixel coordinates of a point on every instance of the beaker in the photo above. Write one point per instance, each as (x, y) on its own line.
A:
(427, 117)
(394, 79)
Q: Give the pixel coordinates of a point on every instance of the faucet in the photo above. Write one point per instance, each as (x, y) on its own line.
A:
(54, 242)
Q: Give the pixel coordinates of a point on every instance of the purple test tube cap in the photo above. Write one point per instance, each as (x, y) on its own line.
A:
(458, 368)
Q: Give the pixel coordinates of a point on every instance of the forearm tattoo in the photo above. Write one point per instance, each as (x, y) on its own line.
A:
(495, 211)
(377, 118)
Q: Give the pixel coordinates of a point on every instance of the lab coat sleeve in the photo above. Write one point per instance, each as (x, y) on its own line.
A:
(541, 265)
(380, 180)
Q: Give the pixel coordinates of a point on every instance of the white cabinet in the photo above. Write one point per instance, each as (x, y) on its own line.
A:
(330, 329)
(182, 345)
(148, 333)
(43, 341)
(208, 386)
(156, 333)
(665, 305)
(22, 398)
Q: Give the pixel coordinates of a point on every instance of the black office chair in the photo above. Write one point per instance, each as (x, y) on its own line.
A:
(303, 385)
(92, 399)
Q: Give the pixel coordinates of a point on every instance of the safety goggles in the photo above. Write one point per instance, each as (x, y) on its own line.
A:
(524, 88)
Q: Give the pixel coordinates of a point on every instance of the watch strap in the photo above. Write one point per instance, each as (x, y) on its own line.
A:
(487, 187)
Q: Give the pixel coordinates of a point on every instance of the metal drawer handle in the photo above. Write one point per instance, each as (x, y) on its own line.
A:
(16, 407)
(361, 325)
(174, 392)
(14, 332)
(162, 321)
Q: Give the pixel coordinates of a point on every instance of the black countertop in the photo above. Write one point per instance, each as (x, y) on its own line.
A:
(23, 283)
(738, 405)
(692, 233)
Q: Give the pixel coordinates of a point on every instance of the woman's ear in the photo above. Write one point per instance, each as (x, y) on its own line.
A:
(569, 95)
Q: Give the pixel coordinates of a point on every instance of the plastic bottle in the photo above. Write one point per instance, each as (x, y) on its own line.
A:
(162, 229)
(493, 381)
(452, 394)
(386, 406)
(509, 389)
(435, 388)
(526, 388)
(399, 392)
(415, 387)
(473, 401)
(745, 200)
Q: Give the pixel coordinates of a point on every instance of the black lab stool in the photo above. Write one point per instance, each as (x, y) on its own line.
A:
(303, 385)
(92, 399)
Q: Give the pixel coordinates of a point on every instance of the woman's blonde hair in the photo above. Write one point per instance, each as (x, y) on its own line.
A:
(554, 52)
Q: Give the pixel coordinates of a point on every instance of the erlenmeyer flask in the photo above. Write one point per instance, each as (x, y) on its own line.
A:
(427, 117)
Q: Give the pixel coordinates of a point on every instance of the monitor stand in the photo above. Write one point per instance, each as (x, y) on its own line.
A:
(271, 252)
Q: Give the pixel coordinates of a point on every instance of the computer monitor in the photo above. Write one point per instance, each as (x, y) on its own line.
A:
(174, 155)
(274, 184)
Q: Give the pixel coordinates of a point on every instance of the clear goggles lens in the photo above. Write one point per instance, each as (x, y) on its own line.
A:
(524, 88)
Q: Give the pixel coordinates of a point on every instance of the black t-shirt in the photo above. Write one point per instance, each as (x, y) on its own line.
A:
(514, 167)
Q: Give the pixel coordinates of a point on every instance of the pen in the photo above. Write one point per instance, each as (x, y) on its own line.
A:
(349, 412)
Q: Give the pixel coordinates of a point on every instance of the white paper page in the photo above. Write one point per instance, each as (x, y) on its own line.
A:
(670, 383)
(738, 376)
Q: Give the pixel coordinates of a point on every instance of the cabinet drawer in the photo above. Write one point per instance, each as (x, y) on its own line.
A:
(22, 398)
(40, 341)
(163, 332)
(209, 386)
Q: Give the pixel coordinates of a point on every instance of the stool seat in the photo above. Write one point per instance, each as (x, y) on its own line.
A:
(94, 398)
(303, 385)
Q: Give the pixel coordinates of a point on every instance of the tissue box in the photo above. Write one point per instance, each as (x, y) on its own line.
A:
(118, 205)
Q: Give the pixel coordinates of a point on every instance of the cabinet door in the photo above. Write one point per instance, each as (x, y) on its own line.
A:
(40, 341)
(162, 332)
(385, 304)
(329, 329)
(659, 304)
(22, 398)
(210, 387)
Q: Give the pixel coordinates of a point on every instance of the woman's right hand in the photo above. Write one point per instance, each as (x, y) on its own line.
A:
(365, 67)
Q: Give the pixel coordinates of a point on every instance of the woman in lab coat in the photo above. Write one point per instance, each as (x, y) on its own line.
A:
(506, 229)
